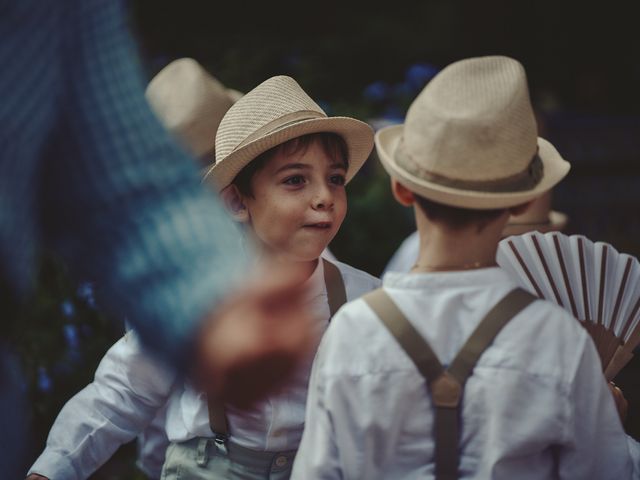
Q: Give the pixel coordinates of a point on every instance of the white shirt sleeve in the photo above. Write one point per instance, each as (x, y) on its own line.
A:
(596, 445)
(152, 445)
(317, 455)
(129, 387)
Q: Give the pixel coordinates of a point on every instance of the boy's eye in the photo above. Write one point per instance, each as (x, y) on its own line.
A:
(337, 179)
(294, 180)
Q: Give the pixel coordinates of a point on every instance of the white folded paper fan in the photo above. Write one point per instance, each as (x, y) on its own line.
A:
(592, 281)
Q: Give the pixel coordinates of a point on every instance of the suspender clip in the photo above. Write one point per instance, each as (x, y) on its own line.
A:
(220, 441)
(446, 391)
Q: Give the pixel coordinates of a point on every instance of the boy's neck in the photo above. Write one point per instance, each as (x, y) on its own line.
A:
(445, 249)
(307, 266)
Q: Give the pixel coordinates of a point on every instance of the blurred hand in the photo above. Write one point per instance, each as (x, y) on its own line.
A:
(253, 342)
(35, 476)
(621, 403)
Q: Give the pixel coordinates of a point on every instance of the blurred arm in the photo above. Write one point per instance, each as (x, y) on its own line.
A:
(122, 201)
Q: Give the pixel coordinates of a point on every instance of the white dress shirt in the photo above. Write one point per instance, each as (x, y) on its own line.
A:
(130, 386)
(536, 406)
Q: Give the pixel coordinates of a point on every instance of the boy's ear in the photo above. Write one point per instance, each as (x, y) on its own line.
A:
(402, 194)
(234, 203)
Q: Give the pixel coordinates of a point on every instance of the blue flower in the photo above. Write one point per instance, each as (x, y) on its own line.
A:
(86, 292)
(67, 308)
(419, 74)
(376, 91)
(71, 336)
(44, 382)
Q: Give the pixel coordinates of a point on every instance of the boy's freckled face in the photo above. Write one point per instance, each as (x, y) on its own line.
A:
(299, 202)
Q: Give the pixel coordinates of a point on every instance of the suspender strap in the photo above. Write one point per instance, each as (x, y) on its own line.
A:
(446, 385)
(408, 337)
(336, 297)
(218, 419)
(447, 437)
(336, 292)
(486, 331)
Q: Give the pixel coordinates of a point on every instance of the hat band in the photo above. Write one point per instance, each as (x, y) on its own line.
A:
(522, 181)
(280, 123)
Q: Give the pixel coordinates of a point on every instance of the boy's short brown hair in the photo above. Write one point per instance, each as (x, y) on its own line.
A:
(332, 144)
(455, 218)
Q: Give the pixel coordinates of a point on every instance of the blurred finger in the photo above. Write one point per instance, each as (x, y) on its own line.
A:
(621, 402)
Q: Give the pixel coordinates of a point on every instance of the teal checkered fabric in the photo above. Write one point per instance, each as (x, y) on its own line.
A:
(88, 171)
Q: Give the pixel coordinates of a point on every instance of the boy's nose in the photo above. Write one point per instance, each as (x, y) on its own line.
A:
(323, 199)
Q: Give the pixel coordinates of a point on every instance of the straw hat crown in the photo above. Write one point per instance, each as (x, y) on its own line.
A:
(279, 99)
(273, 113)
(190, 103)
(470, 139)
(488, 119)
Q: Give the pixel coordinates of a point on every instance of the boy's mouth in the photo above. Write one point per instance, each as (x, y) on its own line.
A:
(319, 225)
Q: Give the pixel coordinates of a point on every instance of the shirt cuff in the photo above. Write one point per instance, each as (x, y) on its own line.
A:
(54, 466)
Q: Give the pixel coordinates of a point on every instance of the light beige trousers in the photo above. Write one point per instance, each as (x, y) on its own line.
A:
(205, 459)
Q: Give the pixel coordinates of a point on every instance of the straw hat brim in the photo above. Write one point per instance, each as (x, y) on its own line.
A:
(357, 135)
(556, 222)
(555, 168)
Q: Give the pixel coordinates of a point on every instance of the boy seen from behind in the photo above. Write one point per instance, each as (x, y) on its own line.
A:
(451, 371)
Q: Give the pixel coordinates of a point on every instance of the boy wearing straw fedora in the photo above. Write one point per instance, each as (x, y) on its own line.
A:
(451, 371)
(281, 168)
(190, 103)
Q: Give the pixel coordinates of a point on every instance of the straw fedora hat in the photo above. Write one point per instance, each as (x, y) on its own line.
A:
(538, 217)
(275, 111)
(190, 103)
(470, 139)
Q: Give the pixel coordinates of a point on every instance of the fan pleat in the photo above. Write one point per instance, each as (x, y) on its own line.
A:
(597, 285)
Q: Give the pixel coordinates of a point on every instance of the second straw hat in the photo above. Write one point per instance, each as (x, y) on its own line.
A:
(538, 217)
(190, 103)
(275, 111)
(470, 139)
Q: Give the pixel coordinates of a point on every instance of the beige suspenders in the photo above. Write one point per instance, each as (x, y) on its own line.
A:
(446, 385)
(336, 297)
(336, 292)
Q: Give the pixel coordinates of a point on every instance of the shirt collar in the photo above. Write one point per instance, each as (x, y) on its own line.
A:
(315, 283)
(476, 277)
